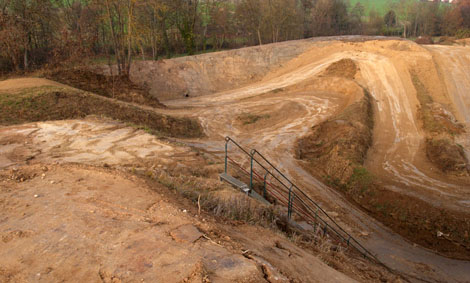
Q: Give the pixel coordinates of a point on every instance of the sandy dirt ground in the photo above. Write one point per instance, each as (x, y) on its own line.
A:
(454, 64)
(63, 219)
(90, 141)
(81, 223)
(271, 114)
(396, 155)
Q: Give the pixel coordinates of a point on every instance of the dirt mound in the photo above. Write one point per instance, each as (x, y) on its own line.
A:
(447, 155)
(21, 83)
(446, 40)
(424, 40)
(118, 87)
(345, 68)
(52, 103)
(338, 145)
(212, 72)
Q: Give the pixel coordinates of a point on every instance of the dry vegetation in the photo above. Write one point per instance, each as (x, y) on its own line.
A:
(119, 87)
(210, 195)
(55, 103)
(441, 129)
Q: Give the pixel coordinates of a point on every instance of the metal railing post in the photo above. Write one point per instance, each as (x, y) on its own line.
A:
(289, 204)
(264, 185)
(226, 154)
(303, 199)
(251, 171)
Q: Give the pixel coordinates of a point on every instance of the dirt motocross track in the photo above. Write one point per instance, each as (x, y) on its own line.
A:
(274, 99)
(293, 97)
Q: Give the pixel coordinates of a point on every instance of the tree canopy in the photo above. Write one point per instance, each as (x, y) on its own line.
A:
(36, 33)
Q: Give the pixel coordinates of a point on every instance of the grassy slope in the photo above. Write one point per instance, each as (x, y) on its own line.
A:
(57, 103)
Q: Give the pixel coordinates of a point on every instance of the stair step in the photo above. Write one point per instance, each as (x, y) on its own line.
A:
(235, 182)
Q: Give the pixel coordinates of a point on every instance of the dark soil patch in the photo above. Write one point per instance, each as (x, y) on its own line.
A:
(118, 87)
(50, 103)
(345, 68)
(446, 155)
(441, 129)
(248, 118)
(424, 40)
(446, 40)
(419, 221)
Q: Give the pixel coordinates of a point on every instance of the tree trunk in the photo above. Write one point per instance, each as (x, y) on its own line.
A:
(130, 8)
(166, 40)
(115, 41)
(259, 37)
(25, 59)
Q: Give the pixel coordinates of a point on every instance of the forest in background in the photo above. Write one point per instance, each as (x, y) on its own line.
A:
(50, 33)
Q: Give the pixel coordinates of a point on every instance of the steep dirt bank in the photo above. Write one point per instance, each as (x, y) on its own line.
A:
(118, 87)
(441, 129)
(335, 151)
(213, 72)
(57, 103)
(337, 148)
(453, 63)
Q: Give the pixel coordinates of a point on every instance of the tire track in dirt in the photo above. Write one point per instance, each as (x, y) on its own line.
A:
(397, 140)
(454, 62)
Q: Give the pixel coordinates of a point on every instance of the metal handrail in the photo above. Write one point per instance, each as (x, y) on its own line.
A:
(300, 197)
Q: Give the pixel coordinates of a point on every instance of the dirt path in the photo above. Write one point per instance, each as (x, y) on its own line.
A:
(454, 63)
(397, 139)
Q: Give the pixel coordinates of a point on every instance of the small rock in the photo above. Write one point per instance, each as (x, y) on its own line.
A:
(364, 233)
(36, 196)
(439, 234)
(52, 182)
(186, 233)
(184, 211)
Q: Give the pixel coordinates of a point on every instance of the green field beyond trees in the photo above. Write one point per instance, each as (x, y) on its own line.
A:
(381, 6)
